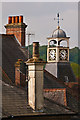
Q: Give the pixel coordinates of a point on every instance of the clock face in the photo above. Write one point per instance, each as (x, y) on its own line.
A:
(52, 54)
(63, 55)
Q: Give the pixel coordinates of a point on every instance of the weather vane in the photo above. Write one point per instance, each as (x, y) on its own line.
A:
(58, 18)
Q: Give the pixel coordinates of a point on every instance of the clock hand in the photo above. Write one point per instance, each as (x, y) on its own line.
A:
(62, 53)
(52, 53)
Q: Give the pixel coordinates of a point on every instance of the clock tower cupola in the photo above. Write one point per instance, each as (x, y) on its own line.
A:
(55, 51)
(58, 55)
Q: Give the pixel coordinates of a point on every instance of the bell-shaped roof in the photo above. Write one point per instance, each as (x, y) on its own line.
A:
(58, 33)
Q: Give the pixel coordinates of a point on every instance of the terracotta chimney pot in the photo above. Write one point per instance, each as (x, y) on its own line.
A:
(16, 19)
(35, 49)
(20, 19)
(9, 19)
(13, 19)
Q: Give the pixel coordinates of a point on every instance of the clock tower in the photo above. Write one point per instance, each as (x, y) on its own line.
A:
(56, 52)
(58, 55)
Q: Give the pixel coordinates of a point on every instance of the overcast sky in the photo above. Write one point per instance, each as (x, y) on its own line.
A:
(39, 16)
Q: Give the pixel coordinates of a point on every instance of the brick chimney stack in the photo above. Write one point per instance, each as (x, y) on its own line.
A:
(17, 27)
(20, 73)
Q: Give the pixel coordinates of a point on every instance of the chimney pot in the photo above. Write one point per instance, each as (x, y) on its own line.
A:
(35, 49)
(20, 19)
(9, 19)
(13, 19)
(16, 19)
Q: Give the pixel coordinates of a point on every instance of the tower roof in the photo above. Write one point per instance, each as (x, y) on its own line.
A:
(59, 33)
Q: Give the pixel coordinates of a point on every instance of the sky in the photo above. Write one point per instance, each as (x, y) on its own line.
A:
(39, 16)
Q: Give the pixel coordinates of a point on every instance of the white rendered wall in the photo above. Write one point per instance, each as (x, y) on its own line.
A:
(35, 86)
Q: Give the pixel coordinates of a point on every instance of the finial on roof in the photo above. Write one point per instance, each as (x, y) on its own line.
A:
(58, 20)
(58, 27)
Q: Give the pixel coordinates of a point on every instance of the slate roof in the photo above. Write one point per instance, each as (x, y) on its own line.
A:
(14, 99)
(14, 103)
(11, 52)
(51, 81)
(72, 95)
(56, 95)
(63, 70)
